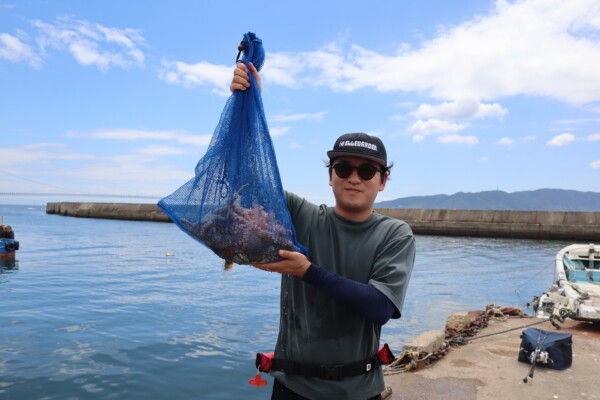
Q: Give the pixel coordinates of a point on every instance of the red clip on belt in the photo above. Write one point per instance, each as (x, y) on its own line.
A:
(263, 361)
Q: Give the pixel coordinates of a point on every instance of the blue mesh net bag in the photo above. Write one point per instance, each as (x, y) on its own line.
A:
(235, 203)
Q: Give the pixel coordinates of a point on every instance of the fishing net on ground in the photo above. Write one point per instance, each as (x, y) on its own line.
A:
(235, 203)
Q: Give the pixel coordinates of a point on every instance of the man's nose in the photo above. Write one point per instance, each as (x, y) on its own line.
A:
(354, 176)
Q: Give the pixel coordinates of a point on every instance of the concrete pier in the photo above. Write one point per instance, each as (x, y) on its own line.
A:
(559, 225)
(487, 368)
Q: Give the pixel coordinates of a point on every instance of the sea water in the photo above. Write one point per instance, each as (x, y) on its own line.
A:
(107, 309)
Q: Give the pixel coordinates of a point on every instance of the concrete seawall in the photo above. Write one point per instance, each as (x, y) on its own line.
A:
(125, 211)
(559, 225)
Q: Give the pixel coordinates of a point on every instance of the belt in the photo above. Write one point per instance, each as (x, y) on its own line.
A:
(325, 371)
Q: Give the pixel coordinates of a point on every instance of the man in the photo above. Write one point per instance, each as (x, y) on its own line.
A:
(334, 302)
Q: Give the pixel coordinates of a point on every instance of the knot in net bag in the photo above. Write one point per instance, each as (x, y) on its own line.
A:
(235, 203)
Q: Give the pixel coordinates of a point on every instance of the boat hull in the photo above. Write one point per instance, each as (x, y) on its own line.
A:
(8, 248)
(578, 280)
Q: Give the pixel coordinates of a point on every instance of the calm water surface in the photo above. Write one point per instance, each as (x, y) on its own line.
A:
(95, 309)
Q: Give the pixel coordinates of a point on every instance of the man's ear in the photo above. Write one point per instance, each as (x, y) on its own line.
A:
(383, 182)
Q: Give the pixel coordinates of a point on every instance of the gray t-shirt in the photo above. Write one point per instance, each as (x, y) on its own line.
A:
(316, 329)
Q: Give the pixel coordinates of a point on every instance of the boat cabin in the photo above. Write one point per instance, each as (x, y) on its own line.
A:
(583, 266)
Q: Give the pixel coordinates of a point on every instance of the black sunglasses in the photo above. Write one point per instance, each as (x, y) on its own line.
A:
(365, 171)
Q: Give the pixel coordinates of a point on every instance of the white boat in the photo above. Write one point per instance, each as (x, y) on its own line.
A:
(576, 292)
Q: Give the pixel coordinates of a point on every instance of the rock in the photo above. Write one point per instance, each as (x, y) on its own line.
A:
(457, 322)
(427, 342)
(474, 315)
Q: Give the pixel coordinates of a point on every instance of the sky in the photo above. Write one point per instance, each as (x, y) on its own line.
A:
(122, 97)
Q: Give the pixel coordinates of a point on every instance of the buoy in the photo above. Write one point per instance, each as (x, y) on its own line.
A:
(258, 381)
(169, 255)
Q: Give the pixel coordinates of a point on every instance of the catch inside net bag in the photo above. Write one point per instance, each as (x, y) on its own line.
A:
(235, 203)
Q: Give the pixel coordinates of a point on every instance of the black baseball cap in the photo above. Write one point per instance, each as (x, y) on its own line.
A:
(359, 145)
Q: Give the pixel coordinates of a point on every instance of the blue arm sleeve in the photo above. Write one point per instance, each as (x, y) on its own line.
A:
(359, 297)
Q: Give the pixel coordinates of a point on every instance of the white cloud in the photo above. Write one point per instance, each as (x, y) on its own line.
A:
(593, 137)
(196, 140)
(470, 140)
(398, 117)
(543, 48)
(131, 177)
(484, 159)
(506, 141)
(44, 145)
(155, 150)
(13, 49)
(131, 173)
(561, 140)
(574, 124)
(38, 153)
(285, 117)
(592, 108)
(282, 69)
(328, 66)
(595, 164)
(199, 74)
(579, 121)
(510, 141)
(433, 126)
(127, 38)
(295, 145)
(52, 166)
(127, 134)
(278, 130)
(179, 136)
(406, 104)
(530, 47)
(92, 43)
(463, 108)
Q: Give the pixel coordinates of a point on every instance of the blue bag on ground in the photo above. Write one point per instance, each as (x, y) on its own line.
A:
(546, 349)
(235, 203)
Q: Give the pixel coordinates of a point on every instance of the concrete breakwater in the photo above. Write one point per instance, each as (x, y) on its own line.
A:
(125, 211)
(559, 225)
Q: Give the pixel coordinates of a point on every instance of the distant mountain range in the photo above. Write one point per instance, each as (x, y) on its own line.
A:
(532, 200)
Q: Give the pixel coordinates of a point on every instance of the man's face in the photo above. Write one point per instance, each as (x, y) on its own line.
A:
(354, 197)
